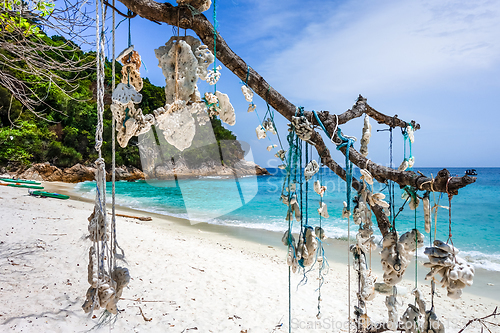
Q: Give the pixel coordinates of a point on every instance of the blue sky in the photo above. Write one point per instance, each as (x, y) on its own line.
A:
(436, 62)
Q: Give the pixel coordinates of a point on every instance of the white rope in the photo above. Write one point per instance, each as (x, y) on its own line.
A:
(98, 144)
(113, 147)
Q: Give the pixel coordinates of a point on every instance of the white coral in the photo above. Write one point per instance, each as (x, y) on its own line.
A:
(323, 210)
(456, 273)
(124, 94)
(213, 75)
(205, 58)
(178, 127)
(261, 132)
(365, 139)
(247, 92)
(226, 110)
(311, 169)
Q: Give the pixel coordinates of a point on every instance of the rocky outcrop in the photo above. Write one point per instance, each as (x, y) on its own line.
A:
(42, 172)
(126, 173)
(180, 170)
(75, 174)
(80, 173)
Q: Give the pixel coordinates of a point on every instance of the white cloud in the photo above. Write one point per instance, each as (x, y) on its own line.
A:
(388, 46)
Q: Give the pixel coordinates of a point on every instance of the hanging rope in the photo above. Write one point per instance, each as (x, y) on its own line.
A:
(347, 142)
(321, 251)
(450, 196)
(216, 25)
(291, 171)
(113, 147)
(408, 141)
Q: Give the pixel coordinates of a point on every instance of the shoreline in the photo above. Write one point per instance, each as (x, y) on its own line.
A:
(209, 277)
(486, 282)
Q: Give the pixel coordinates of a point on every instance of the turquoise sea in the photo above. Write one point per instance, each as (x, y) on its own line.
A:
(253, 202)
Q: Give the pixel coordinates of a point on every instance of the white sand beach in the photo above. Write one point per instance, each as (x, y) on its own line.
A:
(184, 278)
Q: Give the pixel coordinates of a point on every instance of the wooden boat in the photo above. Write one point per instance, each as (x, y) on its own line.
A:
(44, 194)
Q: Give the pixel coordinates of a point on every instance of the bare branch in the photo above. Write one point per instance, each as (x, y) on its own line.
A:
(183, 17)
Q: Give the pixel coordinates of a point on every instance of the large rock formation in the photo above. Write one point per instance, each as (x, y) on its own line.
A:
(180, 170)
(75, 174)
(80, 173)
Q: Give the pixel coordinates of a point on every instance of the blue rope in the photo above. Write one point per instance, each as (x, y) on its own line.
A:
(321, 124)
(129, 13)
(407, 139)
(346, 142)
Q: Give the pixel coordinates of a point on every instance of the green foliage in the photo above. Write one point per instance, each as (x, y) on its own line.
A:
(65, 134)
(6, 108)
(11, 21)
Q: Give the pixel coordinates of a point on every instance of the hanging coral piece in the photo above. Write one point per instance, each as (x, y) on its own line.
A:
(363, 217)
(432, 324)
(205, 58)
(306, 247)
(130, 122)
(211, 98)
(410, 319)
(124, 94)
(214, 75)
(183, 61)
(456, 273)
(178, 127)
(303, 128)
(318, 188)
(269, 126)
(377, 199)
(407, 163)
(365, 139)
(392, 308)
(366, 176)
(130, 70)
(261, 132)
(269, 148)
(311, 169)
(247, 92)
(345, 212)
(397, 253)
(251, 107)
(280, 154)
(409, 193)
(226, 110)
(427, 212)
(410, 132)
(322, 210)
(320, 233)
(294, 206)
(366, 278)
(419, 298)
(180, 67)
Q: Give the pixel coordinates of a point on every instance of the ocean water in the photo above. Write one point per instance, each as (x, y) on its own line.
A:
(253, 202)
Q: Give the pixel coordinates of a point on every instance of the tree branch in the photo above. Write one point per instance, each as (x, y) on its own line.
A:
(183, 17)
